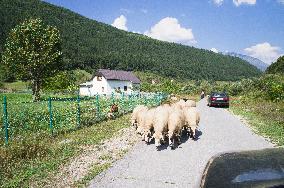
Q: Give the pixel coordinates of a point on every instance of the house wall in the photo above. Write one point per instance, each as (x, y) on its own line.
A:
(99, 85)
(112, 84)
(108, 85)
(86, 90)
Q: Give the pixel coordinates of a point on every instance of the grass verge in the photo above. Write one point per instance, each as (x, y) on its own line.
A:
(265, 118)
(96, 169)
(30, 161)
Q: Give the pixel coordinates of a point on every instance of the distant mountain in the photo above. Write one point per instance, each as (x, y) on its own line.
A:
(253, 61)
(90, 45)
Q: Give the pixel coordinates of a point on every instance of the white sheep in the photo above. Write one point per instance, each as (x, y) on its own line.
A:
(161, 124)
(135, 117)
(180, 104)
(146, 127)
(176, 121)
(190, 103)
(192, 119)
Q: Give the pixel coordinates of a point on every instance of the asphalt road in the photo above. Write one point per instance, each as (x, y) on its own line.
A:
(144, 166)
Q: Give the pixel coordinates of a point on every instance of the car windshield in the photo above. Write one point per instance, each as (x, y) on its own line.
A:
(219, 95)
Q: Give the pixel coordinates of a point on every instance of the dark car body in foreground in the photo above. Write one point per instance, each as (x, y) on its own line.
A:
(218, 99)
(260, 168)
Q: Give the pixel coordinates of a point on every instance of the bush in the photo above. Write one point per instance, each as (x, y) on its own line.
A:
(272, 86)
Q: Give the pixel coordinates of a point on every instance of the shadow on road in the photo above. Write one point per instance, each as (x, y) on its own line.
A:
(198, 133)
(184, 138)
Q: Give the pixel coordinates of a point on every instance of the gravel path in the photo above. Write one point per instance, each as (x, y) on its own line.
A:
(144, 166)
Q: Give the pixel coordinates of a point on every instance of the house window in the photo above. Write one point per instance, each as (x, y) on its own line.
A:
(99, 78)
(103, 89)
(125, 88)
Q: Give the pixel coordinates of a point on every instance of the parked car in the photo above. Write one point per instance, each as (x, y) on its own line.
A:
(258, 168)
(218, 99)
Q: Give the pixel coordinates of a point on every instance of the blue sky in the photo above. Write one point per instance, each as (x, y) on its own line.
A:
(252, 27)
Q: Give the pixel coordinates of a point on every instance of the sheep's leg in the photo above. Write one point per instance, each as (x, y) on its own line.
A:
(178, 138)
(157, 140)
(193, 130)
(189, 132)
(163, 139)
(148, 137)
(171, 144)
(135, 125)
(143, 136)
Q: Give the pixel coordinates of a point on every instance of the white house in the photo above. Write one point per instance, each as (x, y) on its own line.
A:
(110, 81)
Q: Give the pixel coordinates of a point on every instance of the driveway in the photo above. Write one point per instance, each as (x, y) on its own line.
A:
(144, 166)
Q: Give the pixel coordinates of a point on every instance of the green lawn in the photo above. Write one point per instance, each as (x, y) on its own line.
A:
(16, 86)
(26, 117)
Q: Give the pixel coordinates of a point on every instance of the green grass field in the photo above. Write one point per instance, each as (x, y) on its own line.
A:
(26, 117)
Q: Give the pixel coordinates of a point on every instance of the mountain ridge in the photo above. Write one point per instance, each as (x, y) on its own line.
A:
(88, 44)
(252, 60)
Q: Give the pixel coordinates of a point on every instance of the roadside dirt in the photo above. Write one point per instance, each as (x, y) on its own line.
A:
(108, 151)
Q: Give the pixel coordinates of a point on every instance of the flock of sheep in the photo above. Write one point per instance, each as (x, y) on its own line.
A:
(166, 121)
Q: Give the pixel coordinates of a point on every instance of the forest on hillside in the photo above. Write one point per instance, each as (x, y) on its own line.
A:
(89, 45)
(277, 67)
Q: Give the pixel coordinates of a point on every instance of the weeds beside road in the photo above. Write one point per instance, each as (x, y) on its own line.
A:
(32, 161)
(264, 117)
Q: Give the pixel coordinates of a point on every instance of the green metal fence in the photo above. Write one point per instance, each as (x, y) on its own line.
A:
(59, 115)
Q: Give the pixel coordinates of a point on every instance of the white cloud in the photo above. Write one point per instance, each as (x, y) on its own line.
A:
(218, 2)
(169, 29)
(239, 2)
(214, 50)
(281, 1)
(264, 52)
(120, 23)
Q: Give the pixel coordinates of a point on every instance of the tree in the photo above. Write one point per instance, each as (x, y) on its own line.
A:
(33, 52)
(276, 67)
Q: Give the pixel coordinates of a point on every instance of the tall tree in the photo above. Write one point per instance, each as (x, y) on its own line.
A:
(33, 52)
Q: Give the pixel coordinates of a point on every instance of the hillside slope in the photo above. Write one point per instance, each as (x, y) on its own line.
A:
(88, 44)
(276, 67)
(253, 61)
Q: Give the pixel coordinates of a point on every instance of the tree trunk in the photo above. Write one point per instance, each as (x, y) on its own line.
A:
(35, 90)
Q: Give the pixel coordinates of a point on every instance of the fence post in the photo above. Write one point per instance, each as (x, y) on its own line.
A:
(98, 105)
(112, 97)
(130, 102)
(156, 99)
(122, 103)
(145, 100)
(5, 116)
(78, 111)
(50, 116)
